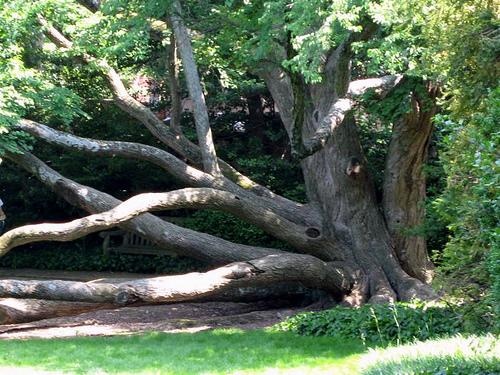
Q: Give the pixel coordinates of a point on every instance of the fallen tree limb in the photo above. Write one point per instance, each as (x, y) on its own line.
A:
(268, 270)
(13, 311)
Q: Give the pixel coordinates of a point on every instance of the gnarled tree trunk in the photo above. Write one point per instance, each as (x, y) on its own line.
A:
(349, 244)
(405, 185)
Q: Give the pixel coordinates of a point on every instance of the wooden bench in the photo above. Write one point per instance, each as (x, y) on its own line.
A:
(124, 242)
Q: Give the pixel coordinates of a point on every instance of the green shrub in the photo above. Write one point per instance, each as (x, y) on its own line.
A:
(469, 264)
(230, 228)
(380, 324)
(76, 256)
(457, 355)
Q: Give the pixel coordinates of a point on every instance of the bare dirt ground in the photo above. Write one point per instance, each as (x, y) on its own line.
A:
(179, 317)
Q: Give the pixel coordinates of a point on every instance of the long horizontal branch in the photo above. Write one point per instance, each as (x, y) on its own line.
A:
(182, 241)
(189, 175)
(173, 165)
(172, 139)
(339, 109)
(196, 198)
(306, 269)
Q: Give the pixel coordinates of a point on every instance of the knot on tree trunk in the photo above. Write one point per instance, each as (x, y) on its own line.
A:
(126, 295)
(354, 167)
(313, 232)
(242, 270)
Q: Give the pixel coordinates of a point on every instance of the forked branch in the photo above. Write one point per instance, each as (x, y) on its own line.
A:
(339, 109)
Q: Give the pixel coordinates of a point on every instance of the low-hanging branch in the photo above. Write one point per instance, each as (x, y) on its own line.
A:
(162, 158)
(182, 171)
(195, 198)
(182, 241)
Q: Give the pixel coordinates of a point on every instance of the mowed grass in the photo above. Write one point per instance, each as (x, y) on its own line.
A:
(458, 355)
(214, 352)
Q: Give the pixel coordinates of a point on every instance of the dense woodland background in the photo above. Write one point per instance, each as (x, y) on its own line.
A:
(453, 44)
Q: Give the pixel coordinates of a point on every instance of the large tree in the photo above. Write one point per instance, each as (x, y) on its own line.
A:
(344, 240)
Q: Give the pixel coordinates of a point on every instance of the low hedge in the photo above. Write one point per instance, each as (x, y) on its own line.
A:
(75, 257)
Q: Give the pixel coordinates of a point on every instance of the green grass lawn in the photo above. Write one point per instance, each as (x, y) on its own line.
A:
(247, 352)
(214, 352)
(458, 355)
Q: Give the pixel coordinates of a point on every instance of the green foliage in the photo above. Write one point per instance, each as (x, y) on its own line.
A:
(230, 228)
(26, 89)
(379, 324)
(471, 206)
(474, 355)
(259, 30)
(464, 46)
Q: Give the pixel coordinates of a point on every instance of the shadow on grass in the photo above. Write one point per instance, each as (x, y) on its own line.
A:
(214, 352)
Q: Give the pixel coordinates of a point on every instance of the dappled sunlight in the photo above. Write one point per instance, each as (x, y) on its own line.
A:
(434, 354)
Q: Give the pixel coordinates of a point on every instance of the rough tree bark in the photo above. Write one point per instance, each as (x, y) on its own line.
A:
(15, 310)
(350, 244)
(306, 269)
(405, 185)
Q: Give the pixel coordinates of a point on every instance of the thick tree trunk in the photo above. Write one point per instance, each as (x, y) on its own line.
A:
(337, 181)
(405, 185)
(338, 185)
(13, 311)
